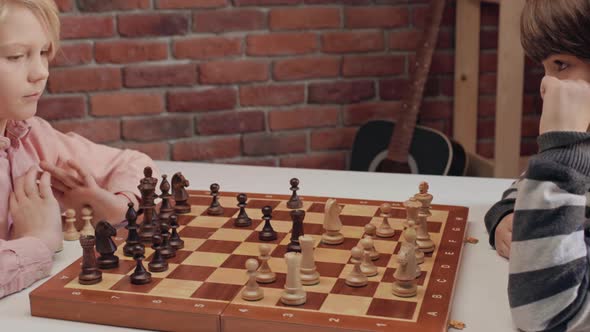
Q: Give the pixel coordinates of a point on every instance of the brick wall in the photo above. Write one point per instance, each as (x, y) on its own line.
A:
(265, 82)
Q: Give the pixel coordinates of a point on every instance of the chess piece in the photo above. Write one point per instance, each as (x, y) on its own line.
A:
(242, 219)
(423, 239)
(412, 206)
(166, 250)
(166, 209)
(293, 294)
(265, 275)
(90, 273)
(147, 188)
(332, 223)
(252, 292)
(267, 233)
(309, 273)
(370, 231)
(356, 278)
(87, 229)
(179, 182)
(294, 202)
(158, 263)
(405, 274)
(215, 209)
(367, 267)
(385, 230)
(132, 234)
(140, 276)
(297, 217)
(175, 241)
(71, 233)
(105, 245)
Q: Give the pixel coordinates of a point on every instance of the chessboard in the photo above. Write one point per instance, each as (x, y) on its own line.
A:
(201, 289)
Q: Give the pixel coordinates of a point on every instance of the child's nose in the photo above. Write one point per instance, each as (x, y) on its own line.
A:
(39, 70)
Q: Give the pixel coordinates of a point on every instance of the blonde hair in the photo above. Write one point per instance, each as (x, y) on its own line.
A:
(46, 11)
(556, 27)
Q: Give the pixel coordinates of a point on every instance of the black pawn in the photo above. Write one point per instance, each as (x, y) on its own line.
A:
(294, 202)
(242, 220)
(166, 208)
(175, 241)
(215, 209)
(140, 276)
(158, 263)
(297, 216)
(166, 250)
(105, 245)
(132, 235)
(267, 233)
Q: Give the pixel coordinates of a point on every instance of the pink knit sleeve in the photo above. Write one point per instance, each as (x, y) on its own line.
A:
(22, 262)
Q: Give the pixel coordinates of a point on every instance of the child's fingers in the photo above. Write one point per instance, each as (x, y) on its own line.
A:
(61, 175)
(85, 176)
(45, 185)
(30, 185)
(12, 201)
(58, 185)
(19, 191)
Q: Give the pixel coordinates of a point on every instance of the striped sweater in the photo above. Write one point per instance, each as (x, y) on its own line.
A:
(549, 258)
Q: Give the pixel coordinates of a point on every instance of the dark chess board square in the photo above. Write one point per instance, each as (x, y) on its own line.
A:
(281, 215)
(348, 244)
(278, 283)
(184, 219)
(354, 220)
(227, 212)
(279, 251)
(179, 257)
(319, 207)
(200, 200)
(388, 276)
(217, 291)
(230, 224)
(197, 232)
(392, 309)
(124, 267)
(397, 248)
(220, 246)
(254, 238)
(434, 226)
(383, 260)
(331, 270)
(342, 288)
(190, 272)
(236, 261)
(260, 203)
(315, 229)
(125, 285)
(314, 301)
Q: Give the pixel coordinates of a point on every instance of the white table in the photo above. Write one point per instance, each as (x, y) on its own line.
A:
(480, 301)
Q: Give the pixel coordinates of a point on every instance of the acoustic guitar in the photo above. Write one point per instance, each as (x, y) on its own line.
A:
(402, 146)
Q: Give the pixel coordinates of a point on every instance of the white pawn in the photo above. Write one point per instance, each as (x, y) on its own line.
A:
(332, 223)
(356, 277)
(367, 267)
(309, 273)
(293, 294)
(405, 274)
(265, 275)
(71, 233)
(385, 230)
(370, 231)
(252, 292)
(87, 229)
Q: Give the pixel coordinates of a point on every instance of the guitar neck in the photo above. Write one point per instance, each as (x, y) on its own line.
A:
(401, 139)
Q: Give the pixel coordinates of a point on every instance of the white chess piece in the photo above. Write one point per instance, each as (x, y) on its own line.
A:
(293, 294)
(87, 229)
(367, 267)
(265, 275)
(412, 206)
(309, 273)
(423, 239)
(405, 274)
(370, 231)
(385, 229)
(332, 223)
(71, 233)
(356, 277)
(252, 292)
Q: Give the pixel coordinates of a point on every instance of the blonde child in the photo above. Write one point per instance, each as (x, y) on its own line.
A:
(42, 169)
(540, 223)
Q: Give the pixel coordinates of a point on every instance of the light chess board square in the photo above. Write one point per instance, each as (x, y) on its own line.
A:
(346, 304)
(175, 288)
(230, 224)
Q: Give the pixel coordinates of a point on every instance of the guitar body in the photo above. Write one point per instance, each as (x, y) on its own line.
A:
(431, 152)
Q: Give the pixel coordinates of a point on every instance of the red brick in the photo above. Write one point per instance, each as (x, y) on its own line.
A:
(306, 68)
(271, 162)
(307, 117)
(332, 160)
(394, 89)
(61, 107)
(341, 92)
(376, 17)
(488, 39)
(64, 5)
(103, 6)
(227, 72)
(230, 122)
(528, 147)
(141, 25)
(239, 3)
(156, 150)
(157, 128)
(375, 65)
(490, 14)
(339, 2)
(281, 44)
(333, 138)
(96, 130)
(420, 13)
(271, 95)
(72, 55)
(205, 100)
(229, 20)
(486, 128)
(160, 75)
(304, 18)
(488, 62)
(125, 103)
(186, 4)
(436, 109)
(270, 144)
(207, 148)
(87, 26)
(84, 79)
(361, 113)
(407, 40)
(207, 48)
(127, 51)
(485, 149)
(352, 41)
(487, 83)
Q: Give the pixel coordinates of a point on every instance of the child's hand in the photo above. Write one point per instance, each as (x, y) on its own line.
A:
(35, 210)
(566, 105)
(503, 236)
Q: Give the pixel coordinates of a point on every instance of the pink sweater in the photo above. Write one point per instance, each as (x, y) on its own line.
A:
(26, 260)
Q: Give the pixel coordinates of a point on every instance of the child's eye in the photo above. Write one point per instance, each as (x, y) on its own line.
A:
(561, 66)
(14, 57)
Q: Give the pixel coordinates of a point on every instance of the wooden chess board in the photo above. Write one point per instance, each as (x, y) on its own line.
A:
(201, 289)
